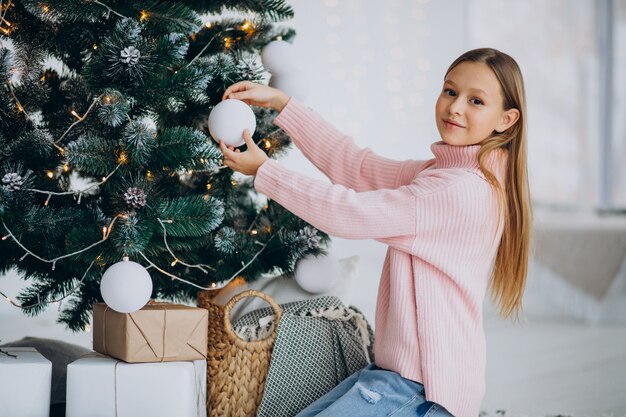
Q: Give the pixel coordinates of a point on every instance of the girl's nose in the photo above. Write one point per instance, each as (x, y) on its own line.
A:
(456, 107)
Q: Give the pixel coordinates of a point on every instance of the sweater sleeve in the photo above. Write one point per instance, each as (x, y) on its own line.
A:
(337, 156)
(386, 215)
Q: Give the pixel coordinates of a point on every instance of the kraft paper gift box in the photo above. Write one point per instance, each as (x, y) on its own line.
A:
(159, 332)
(101, 386)
(25, 382)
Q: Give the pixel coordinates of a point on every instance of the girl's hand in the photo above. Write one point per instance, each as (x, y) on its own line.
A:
(247, 162)
(255, 94)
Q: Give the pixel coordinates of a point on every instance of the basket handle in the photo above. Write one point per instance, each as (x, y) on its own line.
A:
(228, 326)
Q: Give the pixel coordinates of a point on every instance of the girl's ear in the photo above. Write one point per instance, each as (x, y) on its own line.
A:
(507, 120)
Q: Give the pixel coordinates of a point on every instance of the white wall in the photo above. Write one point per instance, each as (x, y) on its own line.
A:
(376, 69)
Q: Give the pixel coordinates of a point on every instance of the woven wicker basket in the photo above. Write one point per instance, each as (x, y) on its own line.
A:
(236, 369)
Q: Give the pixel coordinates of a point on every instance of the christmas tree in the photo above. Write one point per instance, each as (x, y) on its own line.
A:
(106, 152)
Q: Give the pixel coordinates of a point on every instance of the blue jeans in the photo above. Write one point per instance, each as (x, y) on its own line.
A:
(375, 392)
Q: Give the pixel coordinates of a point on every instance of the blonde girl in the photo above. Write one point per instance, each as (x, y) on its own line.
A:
(455, 225)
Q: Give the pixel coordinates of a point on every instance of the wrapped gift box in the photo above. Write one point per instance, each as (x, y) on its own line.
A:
(25, 382)
(159, 332)
(100, 386)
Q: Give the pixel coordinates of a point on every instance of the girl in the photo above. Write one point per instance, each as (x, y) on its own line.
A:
(455, 225)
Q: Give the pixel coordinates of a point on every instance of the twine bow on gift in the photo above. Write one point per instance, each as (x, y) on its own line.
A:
(159, 332)
(145, 337)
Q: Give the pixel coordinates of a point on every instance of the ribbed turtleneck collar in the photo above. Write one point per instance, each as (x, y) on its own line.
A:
(451, 156)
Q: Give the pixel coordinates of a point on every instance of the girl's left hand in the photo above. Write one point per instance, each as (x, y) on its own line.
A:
(247, 162)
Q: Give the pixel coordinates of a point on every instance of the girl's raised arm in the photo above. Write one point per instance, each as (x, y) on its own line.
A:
(338, 157)
(386, 215)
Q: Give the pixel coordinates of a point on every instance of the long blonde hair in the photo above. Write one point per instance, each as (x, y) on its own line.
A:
(511, 267)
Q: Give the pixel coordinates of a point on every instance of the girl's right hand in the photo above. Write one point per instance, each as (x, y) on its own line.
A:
(257, 95)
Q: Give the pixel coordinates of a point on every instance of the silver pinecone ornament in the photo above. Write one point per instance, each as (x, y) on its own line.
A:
(12, 181)
(248, 69)
(310, 237)
(135, 197)
(130, 55)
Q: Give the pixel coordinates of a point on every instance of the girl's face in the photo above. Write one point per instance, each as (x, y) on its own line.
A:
(470, 106)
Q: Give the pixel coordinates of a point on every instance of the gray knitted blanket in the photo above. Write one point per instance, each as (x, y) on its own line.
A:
(320, 342)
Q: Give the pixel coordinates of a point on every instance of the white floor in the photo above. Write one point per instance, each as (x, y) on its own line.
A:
(554, 367)
(546, 366)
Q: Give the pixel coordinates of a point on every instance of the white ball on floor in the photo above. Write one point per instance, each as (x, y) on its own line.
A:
(126, 286)
(294, 84)
(318, 274)
(278, 57)
(228, 120)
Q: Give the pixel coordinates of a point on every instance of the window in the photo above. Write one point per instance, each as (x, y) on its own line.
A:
(616, 104)
(570, 53)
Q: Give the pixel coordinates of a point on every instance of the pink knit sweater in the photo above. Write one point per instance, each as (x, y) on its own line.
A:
(439, 218)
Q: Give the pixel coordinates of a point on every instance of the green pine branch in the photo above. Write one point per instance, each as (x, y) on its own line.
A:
(276, 10)
(191, 216)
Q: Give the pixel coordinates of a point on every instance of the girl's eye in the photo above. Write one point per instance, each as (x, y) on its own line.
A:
(476, 101)
(449, 92)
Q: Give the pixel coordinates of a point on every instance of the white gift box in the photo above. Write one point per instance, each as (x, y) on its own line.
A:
(25, 383)
(101, 386)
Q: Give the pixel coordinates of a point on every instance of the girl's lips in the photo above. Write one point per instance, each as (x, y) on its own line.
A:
(450, 124)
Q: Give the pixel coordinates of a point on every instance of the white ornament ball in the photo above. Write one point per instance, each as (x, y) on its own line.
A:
(318, 274)
(294, 84)
(228, 120)
(126, 286)
(278, 57)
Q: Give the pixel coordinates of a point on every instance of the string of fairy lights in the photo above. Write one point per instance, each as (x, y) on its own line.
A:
(6, 28)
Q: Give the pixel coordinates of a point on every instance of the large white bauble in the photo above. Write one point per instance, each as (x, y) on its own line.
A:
(294, 84)
(278, 57)
(318, 274)
(126, 286)
(228, 120)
